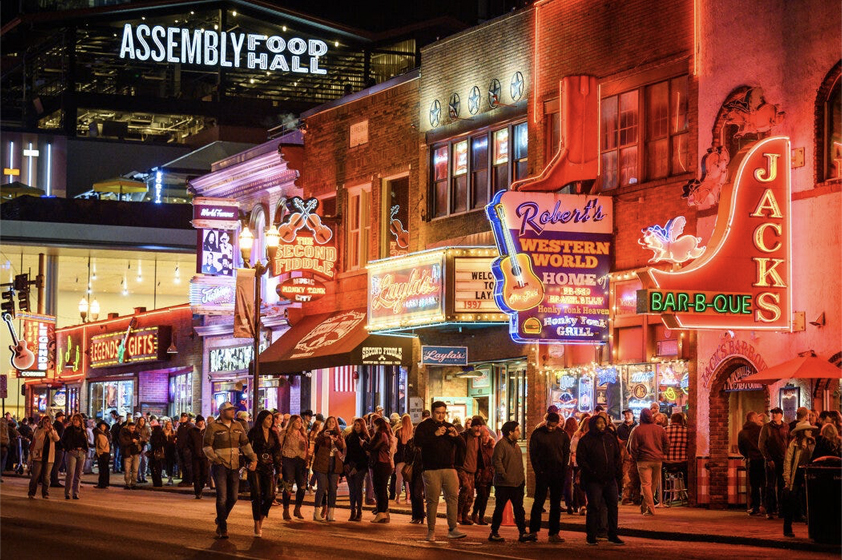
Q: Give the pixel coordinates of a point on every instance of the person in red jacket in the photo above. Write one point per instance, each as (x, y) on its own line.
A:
(648, 445)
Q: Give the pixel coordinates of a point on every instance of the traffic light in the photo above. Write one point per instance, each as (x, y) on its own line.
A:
(22, 288)
(8, 304)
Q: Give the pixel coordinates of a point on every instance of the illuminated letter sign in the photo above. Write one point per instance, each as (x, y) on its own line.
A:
(301, 290)
(39, 331)
(227, 49)
(743, 279)
(306, 244)
(140, 345)
(406, 291)
(552, 275)
(444, 355)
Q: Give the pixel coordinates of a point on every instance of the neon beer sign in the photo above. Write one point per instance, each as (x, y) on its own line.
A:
(743, 280)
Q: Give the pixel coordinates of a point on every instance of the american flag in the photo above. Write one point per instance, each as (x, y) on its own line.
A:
(343, 379)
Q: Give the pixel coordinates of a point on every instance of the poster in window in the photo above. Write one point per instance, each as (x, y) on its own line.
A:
(397, 239)
(217, 252)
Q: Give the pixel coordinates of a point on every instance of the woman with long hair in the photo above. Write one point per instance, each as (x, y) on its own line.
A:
(379, 449)
(356, 466)
(798, 454)
(169, 449)
(42, 455)
(295, 450)
(157, 453)
(570, 427)
(327, 466)
(829, 443)
(311, 438)
(267, 447)
(75, 444)
(145, 433)
(403, 434)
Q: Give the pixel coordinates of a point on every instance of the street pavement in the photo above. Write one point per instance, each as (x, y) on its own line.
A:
(170, 524)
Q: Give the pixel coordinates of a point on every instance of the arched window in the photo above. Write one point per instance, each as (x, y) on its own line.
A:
(829, 127)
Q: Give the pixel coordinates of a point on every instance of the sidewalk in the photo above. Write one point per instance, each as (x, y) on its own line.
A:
(683, 524)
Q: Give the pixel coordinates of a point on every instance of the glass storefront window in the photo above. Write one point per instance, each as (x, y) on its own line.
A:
(111, 395)
(512, 390)
(181, 394)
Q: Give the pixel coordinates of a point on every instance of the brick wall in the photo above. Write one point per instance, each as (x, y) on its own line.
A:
(153, 387)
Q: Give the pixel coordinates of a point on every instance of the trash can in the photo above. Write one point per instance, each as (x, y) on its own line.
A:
(824, 486)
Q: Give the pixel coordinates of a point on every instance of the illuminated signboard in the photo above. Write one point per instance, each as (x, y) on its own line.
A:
(552, 276)
(301, 289)
(125, 347)
(444, 355)
(406, 291)
(205, 47)
(211, 295)
(474, 285)
(743, 279)
(40, 333)
(215, 213)
(306, 244)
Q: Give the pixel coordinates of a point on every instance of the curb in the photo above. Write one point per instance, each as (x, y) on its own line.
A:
(566, 526)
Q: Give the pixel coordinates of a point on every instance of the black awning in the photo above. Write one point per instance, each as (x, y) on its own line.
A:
(332, 340)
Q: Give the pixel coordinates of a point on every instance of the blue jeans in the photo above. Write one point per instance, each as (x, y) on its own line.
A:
(227, 483)
(73, 476)
(355, 488)
(328, 483)
(40, 473)
(144, 463)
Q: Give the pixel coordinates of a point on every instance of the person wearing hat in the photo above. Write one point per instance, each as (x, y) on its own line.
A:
(470, 460)
(195, 444)
(102, 451)
(42, 454)
(185, 458)
(798, 454)
(223, 442)
(773, 444)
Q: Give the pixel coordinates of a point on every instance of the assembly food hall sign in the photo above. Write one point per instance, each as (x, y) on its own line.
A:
(131, 345)
(204, 47)
(743, 280)
(552, 273)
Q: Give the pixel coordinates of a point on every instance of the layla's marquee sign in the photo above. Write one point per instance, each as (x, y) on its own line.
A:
(204, 47)
(133, 345)
(407, 291)
(444, 355)
(552, 276)
(743, 279)
(306, 244)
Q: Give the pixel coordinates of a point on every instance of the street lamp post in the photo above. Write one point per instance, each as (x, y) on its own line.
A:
(246, 244)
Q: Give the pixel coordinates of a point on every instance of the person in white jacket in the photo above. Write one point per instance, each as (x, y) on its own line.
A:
(42, 456)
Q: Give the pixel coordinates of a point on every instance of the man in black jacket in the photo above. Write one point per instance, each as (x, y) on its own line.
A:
(600, 462)
(438, 441)
(185, 458)
(195, 443)
(549, 451)
(58, 426)
(116, 428)
(755, 464)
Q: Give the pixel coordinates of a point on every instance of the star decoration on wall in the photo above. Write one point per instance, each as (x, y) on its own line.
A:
(435, 113)
(474, 100)
(494, 91)
(516, 87)
(454, 105)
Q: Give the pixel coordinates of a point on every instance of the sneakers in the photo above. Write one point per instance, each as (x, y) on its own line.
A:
(583, 510)
(431, 536)
(528, 537)
(555, 539)
(494, 537)
(456, 534)
(592, 541)
(616, 540)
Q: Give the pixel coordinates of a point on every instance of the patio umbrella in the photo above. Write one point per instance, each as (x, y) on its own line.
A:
(803, 367)
(16, 188)
(120, 185)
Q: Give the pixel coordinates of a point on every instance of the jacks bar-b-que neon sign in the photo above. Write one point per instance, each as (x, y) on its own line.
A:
(743, 280)
(552, 276)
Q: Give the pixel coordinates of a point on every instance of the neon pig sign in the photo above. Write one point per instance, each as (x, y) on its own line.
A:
(220, 48)
(744, 278)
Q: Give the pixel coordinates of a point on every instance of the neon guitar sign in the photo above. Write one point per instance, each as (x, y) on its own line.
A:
(552, 274)
(22, 357)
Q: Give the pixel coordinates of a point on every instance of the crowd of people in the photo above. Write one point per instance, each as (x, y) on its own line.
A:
(585, 460)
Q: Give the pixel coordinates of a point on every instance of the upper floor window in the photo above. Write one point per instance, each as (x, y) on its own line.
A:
(832, 134)
(466, 172)
(359, 226)
(645, 133)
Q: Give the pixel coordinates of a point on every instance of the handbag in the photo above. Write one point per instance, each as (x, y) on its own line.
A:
(406, 472)
(159, 454)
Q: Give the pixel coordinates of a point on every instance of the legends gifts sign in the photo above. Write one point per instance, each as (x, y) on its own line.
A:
(552, 275)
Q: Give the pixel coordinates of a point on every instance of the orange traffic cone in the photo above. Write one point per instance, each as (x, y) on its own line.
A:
(508, 516)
